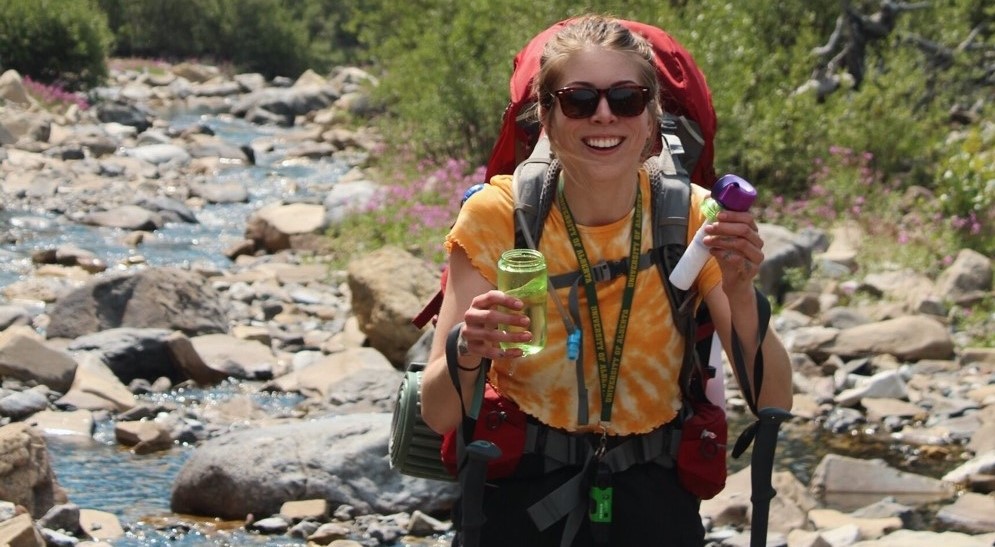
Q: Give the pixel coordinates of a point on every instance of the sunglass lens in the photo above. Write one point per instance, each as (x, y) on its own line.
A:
(579, 103)
(626, 101)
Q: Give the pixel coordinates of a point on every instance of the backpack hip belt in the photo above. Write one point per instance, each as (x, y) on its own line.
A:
(563, 449)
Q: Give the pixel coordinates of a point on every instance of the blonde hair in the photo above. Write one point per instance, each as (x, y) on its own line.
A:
(592, 31)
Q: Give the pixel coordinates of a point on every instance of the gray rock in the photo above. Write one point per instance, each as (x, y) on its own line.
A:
(784, 250)
(27, 357)
(908, 338)
(847, 481)
(26, 476)
(167, 298)
(62, 517)
(968, 277)
(973, 513)
(132, 353)
(21, 404)
(340, 459)
(128, 217)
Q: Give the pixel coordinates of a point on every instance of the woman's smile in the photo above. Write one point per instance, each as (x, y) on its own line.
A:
(603, 143)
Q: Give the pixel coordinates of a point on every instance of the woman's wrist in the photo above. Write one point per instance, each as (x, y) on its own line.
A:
(463, 352)
(740, 294)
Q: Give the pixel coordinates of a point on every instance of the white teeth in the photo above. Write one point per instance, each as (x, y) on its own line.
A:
(603, 142)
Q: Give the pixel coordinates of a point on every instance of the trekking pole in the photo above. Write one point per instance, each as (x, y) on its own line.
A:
(472, 479)
(762, 469)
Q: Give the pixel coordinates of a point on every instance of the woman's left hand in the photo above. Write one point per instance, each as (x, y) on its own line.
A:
(734, 240)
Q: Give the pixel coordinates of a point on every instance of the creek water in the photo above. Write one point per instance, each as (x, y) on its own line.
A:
(98, 474)
(271, 178)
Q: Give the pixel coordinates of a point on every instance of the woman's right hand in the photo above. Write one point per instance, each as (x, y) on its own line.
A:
(472, 300)
(481, 325)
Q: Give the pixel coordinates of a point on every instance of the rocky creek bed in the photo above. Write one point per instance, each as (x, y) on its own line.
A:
(167, 318)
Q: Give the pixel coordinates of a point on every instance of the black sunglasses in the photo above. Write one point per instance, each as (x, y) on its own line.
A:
(626, 101)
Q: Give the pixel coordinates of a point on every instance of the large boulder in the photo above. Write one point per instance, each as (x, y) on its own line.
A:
(26, 356)
(276, 226)
(148, 354)
(340, 459)
(166, 298)
(389, 287)
(909, 338)
(26, 476)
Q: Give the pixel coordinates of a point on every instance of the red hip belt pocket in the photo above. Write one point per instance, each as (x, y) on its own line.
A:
(701, 456)
(501, 422)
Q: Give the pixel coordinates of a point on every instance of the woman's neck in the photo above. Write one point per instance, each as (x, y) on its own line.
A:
(602, 202)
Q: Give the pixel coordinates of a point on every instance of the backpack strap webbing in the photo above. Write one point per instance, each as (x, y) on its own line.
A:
(534, 192)
(671, 205)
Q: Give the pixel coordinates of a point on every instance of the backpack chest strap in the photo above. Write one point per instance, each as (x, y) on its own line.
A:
(605, 270)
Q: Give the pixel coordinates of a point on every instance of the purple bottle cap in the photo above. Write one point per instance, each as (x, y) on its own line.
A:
(734, 193)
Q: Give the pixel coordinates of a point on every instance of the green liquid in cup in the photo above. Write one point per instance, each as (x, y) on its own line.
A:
(522, 274)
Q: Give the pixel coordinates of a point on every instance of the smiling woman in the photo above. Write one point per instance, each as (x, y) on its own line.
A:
(597, 87)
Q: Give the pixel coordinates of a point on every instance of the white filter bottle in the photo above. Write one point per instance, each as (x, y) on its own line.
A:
(687, 268)
(729, 192)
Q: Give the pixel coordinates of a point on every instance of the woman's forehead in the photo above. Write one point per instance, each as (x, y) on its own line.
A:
(600, 66)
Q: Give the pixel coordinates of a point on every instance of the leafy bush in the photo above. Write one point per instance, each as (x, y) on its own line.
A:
(445, 72)
(63, 42)
(966, 187)
(255, 35)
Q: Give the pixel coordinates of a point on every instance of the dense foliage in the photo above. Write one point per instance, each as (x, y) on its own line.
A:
(63, 42)
(252, 35)
(274, 37)
(446, 64)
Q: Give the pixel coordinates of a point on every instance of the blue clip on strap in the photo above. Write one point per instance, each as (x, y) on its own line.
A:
(573, 345)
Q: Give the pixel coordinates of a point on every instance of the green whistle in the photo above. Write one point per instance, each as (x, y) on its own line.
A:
(601, 504)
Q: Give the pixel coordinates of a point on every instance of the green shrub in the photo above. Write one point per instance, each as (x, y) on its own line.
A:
(445, 70)
(262, 36)
(254, 35)
(62, 42)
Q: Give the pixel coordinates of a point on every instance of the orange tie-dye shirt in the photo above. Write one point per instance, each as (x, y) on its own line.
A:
(545, 384)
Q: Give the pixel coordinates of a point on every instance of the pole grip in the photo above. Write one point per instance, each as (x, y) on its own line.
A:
(762, 469)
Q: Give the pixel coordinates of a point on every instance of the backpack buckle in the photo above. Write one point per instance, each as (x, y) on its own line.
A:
(602, 271)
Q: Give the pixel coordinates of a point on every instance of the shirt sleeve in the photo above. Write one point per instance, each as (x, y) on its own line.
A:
(484, 227)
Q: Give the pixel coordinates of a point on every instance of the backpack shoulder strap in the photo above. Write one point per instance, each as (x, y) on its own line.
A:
(671, 206)
(534, 192)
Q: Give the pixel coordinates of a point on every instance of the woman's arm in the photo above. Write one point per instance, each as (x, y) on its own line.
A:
(473, 301)
(735, 243)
